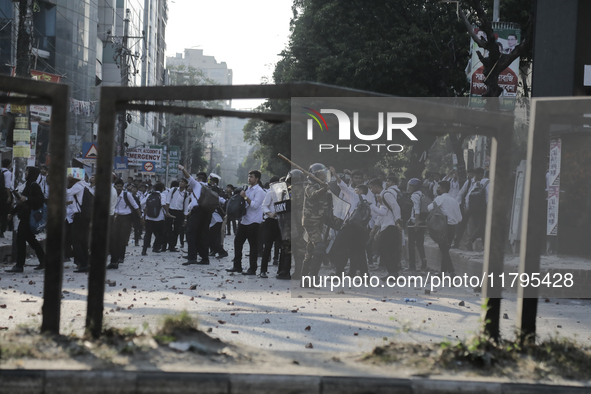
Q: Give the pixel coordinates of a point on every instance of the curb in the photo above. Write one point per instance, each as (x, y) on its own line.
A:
(134, 382)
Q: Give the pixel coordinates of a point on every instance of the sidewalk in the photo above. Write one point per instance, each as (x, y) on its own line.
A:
(65, 382)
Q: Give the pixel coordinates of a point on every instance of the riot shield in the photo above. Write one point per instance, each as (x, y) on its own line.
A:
(282, 205)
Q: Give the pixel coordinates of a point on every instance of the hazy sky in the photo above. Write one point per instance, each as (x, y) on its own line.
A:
(246, 34)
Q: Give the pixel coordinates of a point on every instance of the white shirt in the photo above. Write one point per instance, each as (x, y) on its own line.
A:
(7, 179)
(254, 211)
(349, 195)
(42, 181)
(386, 216)
(77, 194)
(485, 182)
(449, 206)
(70, 209)
(121, 207)
(178, 199)
(463, 193)
(416, 204)
(196, 187)
(268, 206)
(162, 203)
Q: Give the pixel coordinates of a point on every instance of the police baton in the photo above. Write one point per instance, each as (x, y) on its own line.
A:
(302, 170)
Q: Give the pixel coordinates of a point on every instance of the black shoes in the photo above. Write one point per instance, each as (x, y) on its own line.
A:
(263, 275)
(156, 251)
(212, 254)
(203, 262)
(40, 267)
(233, 269)
(173, 250)
(85, 269)
(222, 255)
(144, 252)
(283, 276)
(16, 268)
(249, 272)
(190, 262)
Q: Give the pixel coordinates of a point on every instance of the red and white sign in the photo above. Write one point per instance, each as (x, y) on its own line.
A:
(149, 166)
(139, 155)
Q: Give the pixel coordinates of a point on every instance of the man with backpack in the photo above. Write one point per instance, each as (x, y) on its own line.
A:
(477, 202)
(249, 225)
(416, 224)
(215, 241)
(271, 230)
(197, 230)
(177, 202)
(82, 212)
(462, 199)
(153, 206)
(388, 224)
(125, 207)
(351, 239)
(451, 209)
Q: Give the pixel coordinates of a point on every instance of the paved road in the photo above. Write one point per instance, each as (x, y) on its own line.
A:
(263, 311)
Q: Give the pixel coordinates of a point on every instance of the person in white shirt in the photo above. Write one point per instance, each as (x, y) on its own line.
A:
(42, 181)
(6, 197)
(177, 202)
(350, 240)
(270, 227)
(388, 224)
(125, 207)
(197, 230)
(454, 183)
(248, 228)
(416, 227)
(462, 199)
(80, 225)
(450, 208)
(154, 219)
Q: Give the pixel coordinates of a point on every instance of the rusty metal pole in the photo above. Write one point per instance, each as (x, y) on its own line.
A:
(533, 230)
(496, 226)
(99, 245)
(56, 210)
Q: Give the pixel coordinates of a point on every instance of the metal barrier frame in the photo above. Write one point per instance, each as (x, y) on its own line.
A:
(544, 113)
(114, 99)
(57, 95)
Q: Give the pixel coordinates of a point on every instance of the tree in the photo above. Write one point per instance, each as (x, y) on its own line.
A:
(398, 47)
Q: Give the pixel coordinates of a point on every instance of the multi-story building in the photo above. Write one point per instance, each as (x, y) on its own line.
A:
(225, 134)
(81, 41)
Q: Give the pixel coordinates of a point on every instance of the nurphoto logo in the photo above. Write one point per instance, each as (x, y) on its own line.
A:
(391, 119)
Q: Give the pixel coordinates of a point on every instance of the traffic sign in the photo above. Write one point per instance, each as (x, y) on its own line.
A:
(148, 166)
(89, 151)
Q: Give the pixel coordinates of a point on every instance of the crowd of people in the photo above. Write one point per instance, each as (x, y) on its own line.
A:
(384, 220)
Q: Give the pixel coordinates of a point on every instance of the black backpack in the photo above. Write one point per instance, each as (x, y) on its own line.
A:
(236, 207)
(209, 200)
(477, 198)
(405, 202)
(153, 205)
(437, 225)
(361, 215)
(86, 206)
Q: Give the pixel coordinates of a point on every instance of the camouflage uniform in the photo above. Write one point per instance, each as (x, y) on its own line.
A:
(317, 213)
(297, 246)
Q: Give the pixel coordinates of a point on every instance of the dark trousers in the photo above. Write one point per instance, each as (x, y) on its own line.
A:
(68, 240)
(461, 227)
(349, 244)
(215, 238)
(446, 264)
(24, 236)
(120, 231)
(137, 228)
(176, 226)
(248, 232)
(479, 221)
(389, 248)
(198, 234)
(4, 211)
(158, 229)
(416, 241)
(231, 223)
(272, 235)
(80, 229)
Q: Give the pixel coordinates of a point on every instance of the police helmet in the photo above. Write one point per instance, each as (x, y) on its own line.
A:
(320, 171)
(295, 177)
